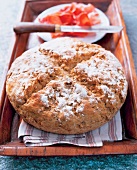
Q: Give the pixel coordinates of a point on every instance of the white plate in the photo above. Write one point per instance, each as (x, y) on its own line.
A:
(88, 38)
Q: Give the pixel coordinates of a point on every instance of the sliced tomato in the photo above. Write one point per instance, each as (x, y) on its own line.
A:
(55, 35)
(73, 14)
(76, 34)
(66, 18)
(89, 8)
(83, 20)
(94, 20)
(75, 10)
(52, 19)
(65, 9)
(42, 20)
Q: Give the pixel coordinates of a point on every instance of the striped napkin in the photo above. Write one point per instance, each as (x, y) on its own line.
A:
(111, 131)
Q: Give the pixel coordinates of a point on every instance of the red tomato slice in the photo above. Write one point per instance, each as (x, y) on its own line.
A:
(73, 14)
(66, 9)
(76, 34)
(83, 20)
(55, 35)
(42, 20)
(89, 8)
(52, 19)
(75, 10)
(66, 18)
(94, 20)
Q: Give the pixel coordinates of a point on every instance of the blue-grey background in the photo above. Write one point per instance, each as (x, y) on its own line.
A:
(8, 16)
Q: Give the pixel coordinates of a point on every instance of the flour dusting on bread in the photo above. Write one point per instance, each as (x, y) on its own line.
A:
(66, 86)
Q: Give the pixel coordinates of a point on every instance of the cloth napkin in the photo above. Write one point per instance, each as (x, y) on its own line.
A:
(111, 131)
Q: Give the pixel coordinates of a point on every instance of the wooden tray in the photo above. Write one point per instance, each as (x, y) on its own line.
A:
(117, 43)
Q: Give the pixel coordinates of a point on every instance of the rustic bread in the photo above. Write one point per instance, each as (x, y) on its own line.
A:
(66, 86)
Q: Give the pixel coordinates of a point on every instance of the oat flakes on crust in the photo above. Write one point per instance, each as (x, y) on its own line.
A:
(66, 86)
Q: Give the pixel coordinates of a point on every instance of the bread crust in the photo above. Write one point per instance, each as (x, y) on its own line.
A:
(66, 86)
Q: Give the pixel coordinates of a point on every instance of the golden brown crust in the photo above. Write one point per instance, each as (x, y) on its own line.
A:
(66, 86)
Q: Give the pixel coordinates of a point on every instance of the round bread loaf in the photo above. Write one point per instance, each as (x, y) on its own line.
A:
(66, 86)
